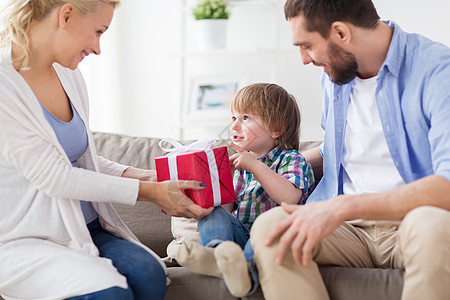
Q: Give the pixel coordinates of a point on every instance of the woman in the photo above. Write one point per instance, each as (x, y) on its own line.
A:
(59, 235)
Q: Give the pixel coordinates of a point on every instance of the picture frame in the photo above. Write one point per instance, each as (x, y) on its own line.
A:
(210, 98)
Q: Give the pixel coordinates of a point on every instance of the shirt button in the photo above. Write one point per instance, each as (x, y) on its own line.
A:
(334, 195)
(389, 73)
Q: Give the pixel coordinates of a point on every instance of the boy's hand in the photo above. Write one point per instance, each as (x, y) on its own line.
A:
(243, 160)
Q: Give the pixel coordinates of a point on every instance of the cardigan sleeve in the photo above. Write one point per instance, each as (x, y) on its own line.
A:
(28, 142)
(110, 167)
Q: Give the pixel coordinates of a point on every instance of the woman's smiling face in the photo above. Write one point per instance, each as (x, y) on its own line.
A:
(80, 33)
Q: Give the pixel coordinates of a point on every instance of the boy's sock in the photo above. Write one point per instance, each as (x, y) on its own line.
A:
(198, 259)
(233, 265)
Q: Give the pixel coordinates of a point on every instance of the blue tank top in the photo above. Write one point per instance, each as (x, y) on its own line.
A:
(73, 138)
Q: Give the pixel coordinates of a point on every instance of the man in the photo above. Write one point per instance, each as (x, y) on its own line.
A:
(385, 156)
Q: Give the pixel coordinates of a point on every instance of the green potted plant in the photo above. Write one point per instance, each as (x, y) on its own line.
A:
(211, 24)
(211, 9)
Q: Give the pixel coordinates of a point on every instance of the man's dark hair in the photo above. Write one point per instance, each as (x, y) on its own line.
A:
(320, 14)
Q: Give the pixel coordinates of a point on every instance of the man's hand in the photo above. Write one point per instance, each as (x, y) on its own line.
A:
(243, 160)
(170, 196)
(304, 228)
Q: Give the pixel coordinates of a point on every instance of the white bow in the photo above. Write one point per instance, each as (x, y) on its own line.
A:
(200, 145)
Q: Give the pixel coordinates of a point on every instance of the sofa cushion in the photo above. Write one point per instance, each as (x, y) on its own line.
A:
(342, 284)
(148, 223)
(185, 284)
(132, 151)
(362, 283)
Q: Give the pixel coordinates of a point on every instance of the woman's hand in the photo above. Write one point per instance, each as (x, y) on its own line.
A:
(170, 196)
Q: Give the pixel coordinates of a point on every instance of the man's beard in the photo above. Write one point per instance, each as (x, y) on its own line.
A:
(343, 67)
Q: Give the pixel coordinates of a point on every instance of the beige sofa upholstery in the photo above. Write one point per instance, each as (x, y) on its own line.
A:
(153, 229)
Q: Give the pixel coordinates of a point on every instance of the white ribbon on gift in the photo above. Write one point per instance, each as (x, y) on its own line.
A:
(200, 145)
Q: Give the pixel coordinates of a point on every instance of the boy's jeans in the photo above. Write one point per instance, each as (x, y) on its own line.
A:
(221, 226)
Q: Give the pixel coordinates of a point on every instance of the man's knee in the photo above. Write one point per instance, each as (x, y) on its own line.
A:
(428, 222)
(266, 222)
(424, 233)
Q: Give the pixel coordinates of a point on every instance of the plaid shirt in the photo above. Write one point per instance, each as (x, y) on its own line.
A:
(251, 198)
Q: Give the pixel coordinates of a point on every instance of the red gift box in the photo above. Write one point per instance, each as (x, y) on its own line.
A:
(200, 166)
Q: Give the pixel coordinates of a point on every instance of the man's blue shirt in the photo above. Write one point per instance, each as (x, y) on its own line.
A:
(413, 98)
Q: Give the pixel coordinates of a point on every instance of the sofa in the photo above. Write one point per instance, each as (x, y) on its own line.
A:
(153, 228)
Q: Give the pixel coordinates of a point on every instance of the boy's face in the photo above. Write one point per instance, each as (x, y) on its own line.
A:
(248, 132)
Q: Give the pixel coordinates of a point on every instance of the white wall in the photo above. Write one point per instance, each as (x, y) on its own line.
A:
(429, 18)
(136, 85)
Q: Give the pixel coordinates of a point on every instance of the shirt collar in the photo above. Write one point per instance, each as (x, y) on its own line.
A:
(272, 154)
(394, 57)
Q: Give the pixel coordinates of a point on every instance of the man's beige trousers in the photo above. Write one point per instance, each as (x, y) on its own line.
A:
(420, 244)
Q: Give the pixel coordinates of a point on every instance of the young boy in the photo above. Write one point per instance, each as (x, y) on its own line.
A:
(269, 171)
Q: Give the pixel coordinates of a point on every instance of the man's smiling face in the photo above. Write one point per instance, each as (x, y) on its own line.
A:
(338, 63)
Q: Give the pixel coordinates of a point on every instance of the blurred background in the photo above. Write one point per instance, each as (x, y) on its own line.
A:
(149, 77)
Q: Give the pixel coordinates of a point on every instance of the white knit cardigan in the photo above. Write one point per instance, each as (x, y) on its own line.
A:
(46, 251)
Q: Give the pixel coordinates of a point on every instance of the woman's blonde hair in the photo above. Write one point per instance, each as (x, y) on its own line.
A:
(16, 16)
(277, 109)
